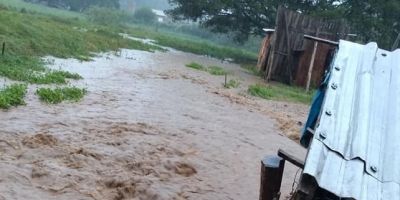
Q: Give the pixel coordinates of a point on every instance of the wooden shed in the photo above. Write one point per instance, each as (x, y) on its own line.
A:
(285, 55)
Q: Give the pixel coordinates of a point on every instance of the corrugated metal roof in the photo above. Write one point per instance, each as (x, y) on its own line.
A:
(356, 150)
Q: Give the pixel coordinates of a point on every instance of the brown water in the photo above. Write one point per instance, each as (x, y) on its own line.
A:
(149, 128)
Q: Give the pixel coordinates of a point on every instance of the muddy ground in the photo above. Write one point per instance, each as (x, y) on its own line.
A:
(149, 128)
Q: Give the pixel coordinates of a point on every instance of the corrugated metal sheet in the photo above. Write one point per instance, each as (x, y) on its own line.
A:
(356, 150)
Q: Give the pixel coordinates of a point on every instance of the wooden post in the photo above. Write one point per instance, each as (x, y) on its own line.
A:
(226, 80)
(3, 49)
(396, 43)
(271, 177)
(310, 69)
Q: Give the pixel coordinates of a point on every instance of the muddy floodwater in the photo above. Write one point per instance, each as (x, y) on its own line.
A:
(149, 128)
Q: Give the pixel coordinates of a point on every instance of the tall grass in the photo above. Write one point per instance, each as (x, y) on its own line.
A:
(281, 92)
(37, 35)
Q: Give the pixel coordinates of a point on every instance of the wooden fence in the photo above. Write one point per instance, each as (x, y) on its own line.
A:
(288, 54)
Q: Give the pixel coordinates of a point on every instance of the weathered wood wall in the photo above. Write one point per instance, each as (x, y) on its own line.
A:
(290, 54)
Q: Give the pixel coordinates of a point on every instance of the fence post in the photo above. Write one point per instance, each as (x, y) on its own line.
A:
(3, 49)
(271, 177)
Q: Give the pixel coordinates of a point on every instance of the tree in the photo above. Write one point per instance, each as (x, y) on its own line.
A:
(243, 17)
(145, 15)
(78, 5)
(372, 20)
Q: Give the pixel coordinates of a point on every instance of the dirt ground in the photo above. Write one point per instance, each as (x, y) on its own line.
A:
(149, 128)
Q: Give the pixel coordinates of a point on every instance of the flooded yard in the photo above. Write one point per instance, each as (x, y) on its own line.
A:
(149, 128)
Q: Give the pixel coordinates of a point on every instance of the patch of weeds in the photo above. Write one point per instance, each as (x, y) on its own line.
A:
(281, 92)
(196, 66)
(58, 95)
(213, 70)
(12, 95)
(216, 70)
(260, 91)
(232, 84)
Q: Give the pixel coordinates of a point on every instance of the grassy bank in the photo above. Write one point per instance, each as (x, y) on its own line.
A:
(281, 92)
(22, 6)
(194, 45)
(40, 35)
(31, 31)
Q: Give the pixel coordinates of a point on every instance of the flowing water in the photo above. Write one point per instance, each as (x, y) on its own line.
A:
(149, 128)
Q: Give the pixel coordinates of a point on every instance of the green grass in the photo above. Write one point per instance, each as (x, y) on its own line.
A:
(40, 35)
(31, 70)
(12, 95)
(23, 6)
(58, 95)
(194, 45)
(196, 66)
(216, 70)
(232, 84)
(213, 70)
(281, 92)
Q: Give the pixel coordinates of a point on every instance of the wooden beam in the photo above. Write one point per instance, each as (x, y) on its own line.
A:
(325, 41)
(396, 43)
(271, 177)
(311, 68)
(290, 158)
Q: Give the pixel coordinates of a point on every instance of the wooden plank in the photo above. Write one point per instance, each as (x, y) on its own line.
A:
(396, 43)
(311, 68)
(271, 177)
(317, 39)
(290, 158)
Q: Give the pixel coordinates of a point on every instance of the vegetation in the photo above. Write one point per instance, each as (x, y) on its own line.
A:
(232, 84)
(145, 15)
(12, 95)
(370, 19)
(107, 16)
(251, 69)
(28, 34)
(217, 71)
(281, 92)
(196, 46)
(22, 6)
(213, 70)
(197, 66)
(31, 70)
(58, 95)
(79, 6)
(205, 48)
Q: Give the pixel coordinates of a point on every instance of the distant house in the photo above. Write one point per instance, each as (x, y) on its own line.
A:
(161, 16)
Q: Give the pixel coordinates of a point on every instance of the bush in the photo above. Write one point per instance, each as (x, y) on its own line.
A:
(145, 15)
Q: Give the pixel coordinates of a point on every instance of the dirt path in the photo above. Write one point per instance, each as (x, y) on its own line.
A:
(149, 128)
